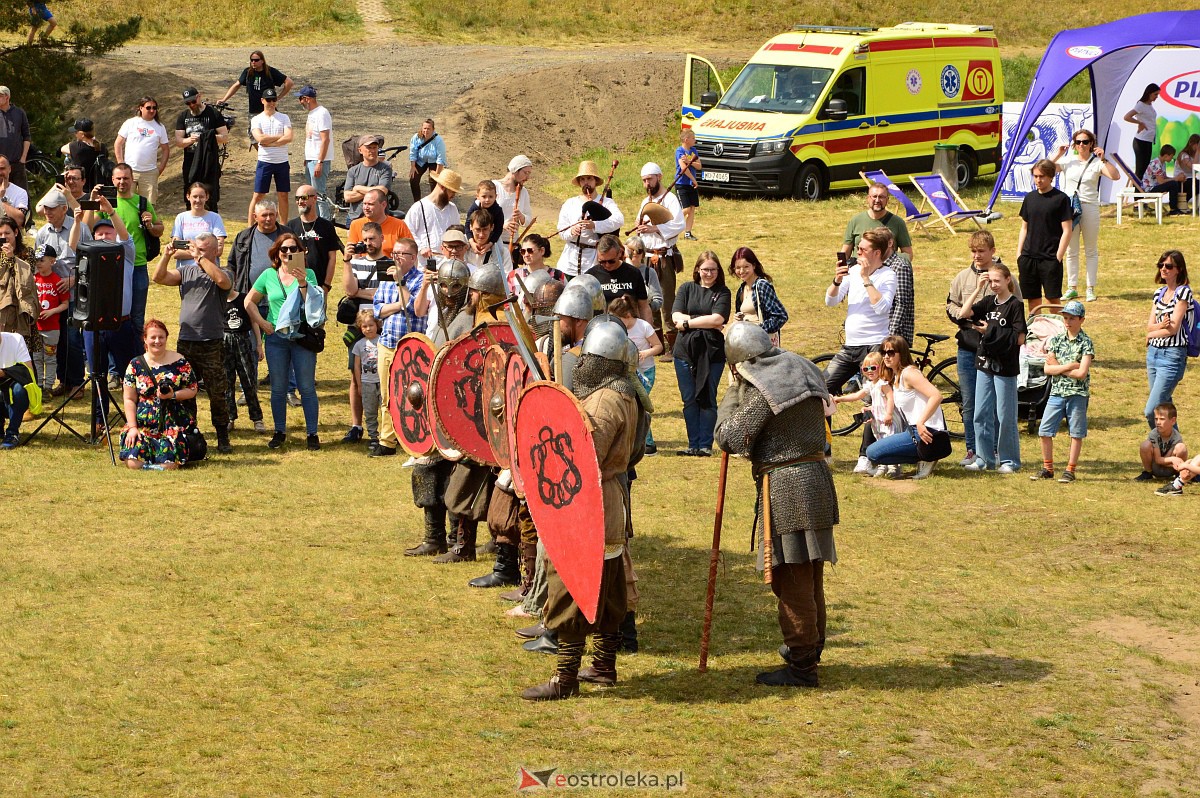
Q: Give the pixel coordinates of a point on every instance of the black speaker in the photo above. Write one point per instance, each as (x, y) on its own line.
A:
(99, 285)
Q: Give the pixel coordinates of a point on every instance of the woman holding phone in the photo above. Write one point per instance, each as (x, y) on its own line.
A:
(287, 275)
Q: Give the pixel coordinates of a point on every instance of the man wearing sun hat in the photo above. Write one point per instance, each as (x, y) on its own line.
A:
(433, 214)
(580, 234)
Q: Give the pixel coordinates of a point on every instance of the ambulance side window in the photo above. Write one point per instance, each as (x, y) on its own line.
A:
(851, 88)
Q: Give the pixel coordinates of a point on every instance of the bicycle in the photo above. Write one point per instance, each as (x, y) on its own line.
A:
(230, 121)
(40, 165)
(943, 375)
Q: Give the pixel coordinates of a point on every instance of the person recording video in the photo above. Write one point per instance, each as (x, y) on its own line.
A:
(366, 267)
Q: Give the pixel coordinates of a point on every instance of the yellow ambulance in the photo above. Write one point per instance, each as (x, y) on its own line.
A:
(815, 106)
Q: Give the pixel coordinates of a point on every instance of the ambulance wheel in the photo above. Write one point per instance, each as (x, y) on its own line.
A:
(810, 183)
(967, 168)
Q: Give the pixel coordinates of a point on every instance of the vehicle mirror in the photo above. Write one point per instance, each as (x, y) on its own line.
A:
(836, 110)
(707, 100)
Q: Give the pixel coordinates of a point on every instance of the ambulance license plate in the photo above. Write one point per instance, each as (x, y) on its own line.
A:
(715, 177)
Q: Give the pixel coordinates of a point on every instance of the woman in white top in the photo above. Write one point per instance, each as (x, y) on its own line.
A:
(1146, 118)
(1081, 174)
(199, 219)
(918, 402)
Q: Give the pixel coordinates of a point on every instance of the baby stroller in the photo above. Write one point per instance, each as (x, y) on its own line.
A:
(1033, 386)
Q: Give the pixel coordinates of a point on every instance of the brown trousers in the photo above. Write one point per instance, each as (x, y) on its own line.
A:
(801, 593)
(562, 614)
(665, 267)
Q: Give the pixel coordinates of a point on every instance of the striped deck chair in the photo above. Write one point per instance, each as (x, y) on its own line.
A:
(1135, 193)
(912, 214)
(945, 202)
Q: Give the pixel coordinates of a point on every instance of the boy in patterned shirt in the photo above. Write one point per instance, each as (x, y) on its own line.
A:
(1069, 358)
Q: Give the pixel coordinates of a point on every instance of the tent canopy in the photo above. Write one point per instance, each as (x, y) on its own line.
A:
(1110, 53)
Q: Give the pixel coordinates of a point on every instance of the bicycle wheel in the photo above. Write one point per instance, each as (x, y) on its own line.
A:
(848, 416)
(944, 377)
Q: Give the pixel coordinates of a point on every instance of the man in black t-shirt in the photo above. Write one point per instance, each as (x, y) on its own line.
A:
(618, 278)
(1045, 232)
(201, 160)
(257, 78)
(319, 236)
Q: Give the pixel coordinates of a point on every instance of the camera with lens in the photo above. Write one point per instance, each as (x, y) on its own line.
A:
(165, 386)
(359, 249)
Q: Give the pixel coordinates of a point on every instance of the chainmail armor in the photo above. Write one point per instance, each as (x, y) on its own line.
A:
(593, 372)
(804, 505)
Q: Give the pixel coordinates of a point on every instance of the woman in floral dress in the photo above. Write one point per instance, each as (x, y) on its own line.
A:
(157, 386)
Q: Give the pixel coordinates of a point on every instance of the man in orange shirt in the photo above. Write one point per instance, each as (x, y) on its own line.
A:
(375, 210)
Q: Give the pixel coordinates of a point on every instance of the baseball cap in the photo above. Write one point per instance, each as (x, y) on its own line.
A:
(1074, 308)
(518, 163)
(307, 91)
(370, 139)
(101, 223)
(45, 251)
(82, 124)
(52, 199)
(270, 94)
(651, 168)
(454, 237)
(191, 93)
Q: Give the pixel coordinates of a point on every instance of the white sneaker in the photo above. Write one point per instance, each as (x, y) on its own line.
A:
(1006, 468)
(864, 465)
(879, 471)
(924, 469)
(409, 463)
(1091, 294)
(894, 472)
(966, 461)
(976, 465)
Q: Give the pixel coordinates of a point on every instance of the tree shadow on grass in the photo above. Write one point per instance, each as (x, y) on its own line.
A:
(720, 685)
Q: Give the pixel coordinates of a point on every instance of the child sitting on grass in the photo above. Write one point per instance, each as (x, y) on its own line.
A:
(1188, 469)
(877, 385)
(366, 371)
(1164, 449)
(1069, 358)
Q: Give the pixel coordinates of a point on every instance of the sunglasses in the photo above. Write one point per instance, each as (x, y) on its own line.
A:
(606, 261)
(866, 369)
(289, 249)
(306, 196)
(255, 60)
(889, 352)
(150, 107)
(527, 251)
(1168, 266)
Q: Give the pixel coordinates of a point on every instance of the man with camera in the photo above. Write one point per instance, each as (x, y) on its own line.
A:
(200, 131)
(374, 206)
(203, 286)
(366, 266)
(320, 238)
(369, 173)
(395, 306)
(143, 224)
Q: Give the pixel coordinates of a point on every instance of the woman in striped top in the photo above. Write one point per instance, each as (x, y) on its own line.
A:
(1167, 330)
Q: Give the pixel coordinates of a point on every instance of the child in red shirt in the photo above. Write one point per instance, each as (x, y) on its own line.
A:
(52, 298)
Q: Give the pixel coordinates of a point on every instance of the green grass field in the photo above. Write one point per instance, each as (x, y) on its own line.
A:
(249, 627)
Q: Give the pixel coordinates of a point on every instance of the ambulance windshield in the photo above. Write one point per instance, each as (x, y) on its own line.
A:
(774, 88)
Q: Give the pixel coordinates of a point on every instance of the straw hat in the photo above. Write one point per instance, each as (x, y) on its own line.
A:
(587, 169)
(448, 179)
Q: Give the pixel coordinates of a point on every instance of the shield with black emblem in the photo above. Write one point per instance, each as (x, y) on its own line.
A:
(408, 392)
(556, 457)
(515, 380)
(495, 364)
(456, 391)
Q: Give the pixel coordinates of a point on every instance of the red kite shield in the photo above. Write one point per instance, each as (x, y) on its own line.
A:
(441, 442)
(514, 382)
(456, 388)
(495, 365)
(406, 403)
(560, 471)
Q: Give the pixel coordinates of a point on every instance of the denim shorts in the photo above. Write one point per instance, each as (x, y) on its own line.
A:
(1073, 408)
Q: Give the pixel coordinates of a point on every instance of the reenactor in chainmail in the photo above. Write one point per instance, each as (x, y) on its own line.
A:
(603, 386)
(430, 474)
(775, 415)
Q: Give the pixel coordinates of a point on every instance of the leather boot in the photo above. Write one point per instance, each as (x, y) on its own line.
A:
(223, 445)
(546, 644)
(435, 534)
(800, 671)
(531, 632)
(528, 564)
(464, 547)
(565, 681)
(604, 660)
(504, 572)
(629, 640)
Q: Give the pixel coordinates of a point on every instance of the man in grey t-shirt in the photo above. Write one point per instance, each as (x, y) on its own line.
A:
(362, 177)
(203, 286)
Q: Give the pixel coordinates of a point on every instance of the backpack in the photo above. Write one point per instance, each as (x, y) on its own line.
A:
(102, 169)
(153, 245)
(1191, 319)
